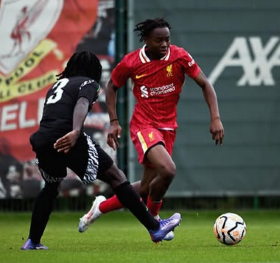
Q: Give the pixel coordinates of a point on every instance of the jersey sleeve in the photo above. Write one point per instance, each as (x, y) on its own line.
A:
(121, 73)
(90, 90)
(191, 67)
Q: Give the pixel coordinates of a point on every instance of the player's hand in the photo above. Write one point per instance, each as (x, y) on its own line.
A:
(65, 143)
(114, 133)
(217, 131)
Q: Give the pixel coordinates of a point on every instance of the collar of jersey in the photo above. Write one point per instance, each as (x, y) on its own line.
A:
(144, 58)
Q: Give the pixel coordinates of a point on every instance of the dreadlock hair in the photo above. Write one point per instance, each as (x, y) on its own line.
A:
(147, 26)
(82, 63)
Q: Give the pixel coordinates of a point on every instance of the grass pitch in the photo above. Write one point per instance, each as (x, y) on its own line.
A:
(118, 237)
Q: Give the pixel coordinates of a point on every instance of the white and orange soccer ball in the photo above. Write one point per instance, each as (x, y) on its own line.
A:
(229, 228)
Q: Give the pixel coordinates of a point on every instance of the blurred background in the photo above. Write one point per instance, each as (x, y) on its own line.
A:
(237, 45)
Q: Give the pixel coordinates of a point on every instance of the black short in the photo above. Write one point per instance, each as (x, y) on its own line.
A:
(86, 159)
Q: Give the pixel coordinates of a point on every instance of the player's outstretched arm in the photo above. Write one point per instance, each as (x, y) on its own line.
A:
(216, 126)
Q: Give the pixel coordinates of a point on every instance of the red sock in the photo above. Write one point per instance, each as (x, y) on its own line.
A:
(110, 204)
(153, 207)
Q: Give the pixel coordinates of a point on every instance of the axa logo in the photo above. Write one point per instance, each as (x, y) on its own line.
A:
(257, 59)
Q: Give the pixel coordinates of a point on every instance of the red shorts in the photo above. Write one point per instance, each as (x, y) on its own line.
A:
(144, 139)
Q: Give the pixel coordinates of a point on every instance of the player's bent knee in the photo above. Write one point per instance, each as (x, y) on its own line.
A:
(113, 176)
(168, 172)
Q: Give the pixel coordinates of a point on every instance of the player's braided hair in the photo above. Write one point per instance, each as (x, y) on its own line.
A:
(82, 63)
(147, 26)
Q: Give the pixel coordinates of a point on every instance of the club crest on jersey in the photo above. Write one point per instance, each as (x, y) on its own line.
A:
(169, 71)
(151, 136)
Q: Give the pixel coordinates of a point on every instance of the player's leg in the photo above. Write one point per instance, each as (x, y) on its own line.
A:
(101, 206)
(113, 203)
(166, 171)
(154, 148)
(151, 176)
(149, 173)
(127, 196)
(53, 171)
(158, 229)
(165, 138)
(40, 216)
(160, 158)
(101, 166)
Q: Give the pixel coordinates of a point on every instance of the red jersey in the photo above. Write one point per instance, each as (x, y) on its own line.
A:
(157, 85)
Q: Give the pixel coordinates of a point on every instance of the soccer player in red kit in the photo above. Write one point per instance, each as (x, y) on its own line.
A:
(157, 71)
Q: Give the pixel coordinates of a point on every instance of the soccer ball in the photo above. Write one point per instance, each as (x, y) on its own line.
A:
(229, 228)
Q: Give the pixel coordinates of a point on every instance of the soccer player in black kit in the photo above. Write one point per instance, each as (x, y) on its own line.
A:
(60, 143)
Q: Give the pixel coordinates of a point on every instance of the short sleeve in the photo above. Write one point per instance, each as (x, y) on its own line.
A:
(190, 66)
(121, 73)
(90, 90)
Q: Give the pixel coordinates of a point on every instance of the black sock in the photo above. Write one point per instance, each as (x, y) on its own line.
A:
(144, 198)
(131, 200)
(41, 212)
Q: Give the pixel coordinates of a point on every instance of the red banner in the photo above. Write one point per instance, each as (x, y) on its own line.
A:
(37, 39)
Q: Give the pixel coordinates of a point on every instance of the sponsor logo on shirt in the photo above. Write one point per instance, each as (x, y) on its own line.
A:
(140, 76)
(86, 83)
(162, 90)
(191, 63)
(144, 92)
(157, 90)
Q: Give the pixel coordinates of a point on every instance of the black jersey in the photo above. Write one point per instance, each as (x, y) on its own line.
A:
(57, 119)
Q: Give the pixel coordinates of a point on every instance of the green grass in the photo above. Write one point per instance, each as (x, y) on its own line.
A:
(118, 237)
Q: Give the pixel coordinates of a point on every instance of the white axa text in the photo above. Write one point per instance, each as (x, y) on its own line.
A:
(256, 59)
